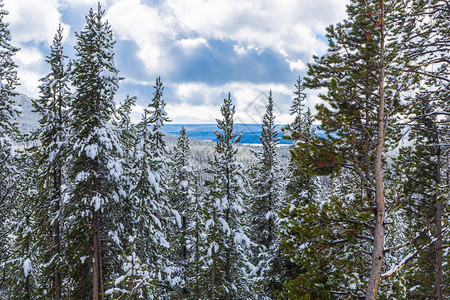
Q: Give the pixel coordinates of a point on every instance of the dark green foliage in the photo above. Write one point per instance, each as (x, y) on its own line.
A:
(225, 252)
(95, 159)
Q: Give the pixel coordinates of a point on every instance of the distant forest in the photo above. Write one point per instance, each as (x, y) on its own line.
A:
(94, 206)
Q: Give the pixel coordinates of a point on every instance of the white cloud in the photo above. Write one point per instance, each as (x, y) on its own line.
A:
(191, 44)
(286, 25)
(92, 3)
(250, 100)
(242, 51)
(135, 21)
(297, 65)
(30, 62)
(29, 57)
(34, 20)
(204, 114)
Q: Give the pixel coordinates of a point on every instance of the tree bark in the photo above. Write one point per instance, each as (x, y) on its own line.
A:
(96, 265)
(27, 279)
(438, 229)
(227, 219)
(57, 252)
(213, 255)
(56, 238)
(378, 243)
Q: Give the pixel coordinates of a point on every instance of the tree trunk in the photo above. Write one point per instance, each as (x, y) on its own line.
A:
(378, 243)
(57, 273)
(228, 255)
(438, 229)
(96, 265)
(56, 238)
(27, 279)
(213, 255)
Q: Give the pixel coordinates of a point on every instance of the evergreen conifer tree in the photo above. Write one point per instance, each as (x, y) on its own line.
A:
(226, 234)
(265, 204)
(8, 133)
(96, 165)
(423, 30)
(50, 155)
(359, 122)
(301, 200)
(180, 195)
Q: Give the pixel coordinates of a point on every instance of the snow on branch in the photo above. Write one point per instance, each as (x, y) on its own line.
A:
(406, 259)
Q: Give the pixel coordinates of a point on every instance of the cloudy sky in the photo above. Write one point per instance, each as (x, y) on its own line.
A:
(202, 49)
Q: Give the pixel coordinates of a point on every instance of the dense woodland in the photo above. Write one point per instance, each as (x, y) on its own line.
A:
(94, 206)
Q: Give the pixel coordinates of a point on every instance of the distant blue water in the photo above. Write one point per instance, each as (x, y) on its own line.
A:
(251, 132)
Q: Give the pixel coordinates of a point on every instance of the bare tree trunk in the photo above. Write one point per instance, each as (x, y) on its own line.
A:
(57, 186)
(56, 238)
(27, 279)
(227, 219)
(57, 273)
(438, 233)
(213, 255)
(378, 243)
(96, 266)
(100, 261)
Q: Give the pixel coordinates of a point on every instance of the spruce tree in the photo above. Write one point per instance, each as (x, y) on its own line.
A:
(299, 205)
(226, 234)
(8, 135)
(51, 156)
(264, 203)
(423, 30)
(267, 182)
(149, 208)
(180, 193)
(95, 166)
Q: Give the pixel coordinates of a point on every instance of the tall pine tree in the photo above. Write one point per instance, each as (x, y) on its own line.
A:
(50, 155)
(225, 231)
(8, 132)
(95, 166)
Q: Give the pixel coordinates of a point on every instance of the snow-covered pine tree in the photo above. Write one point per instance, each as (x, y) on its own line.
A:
(96, 167)
(50, 155)
(266, 183)
(264, 202)
(126, 128)
(8, 133)
(149, 207)
(195, 241)
(23, 276)
(424, 40)
(225, 230)
(180, 196)
(159, 166)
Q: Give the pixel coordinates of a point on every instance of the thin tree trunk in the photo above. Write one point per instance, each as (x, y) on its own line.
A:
(378, 243)
(57, 187)
(197, 243)
(57, 273)
(213, 255)
(96, 265)
(438, 233)
(227, 219)
(100, 261)
(56, 239)
(27, 279)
